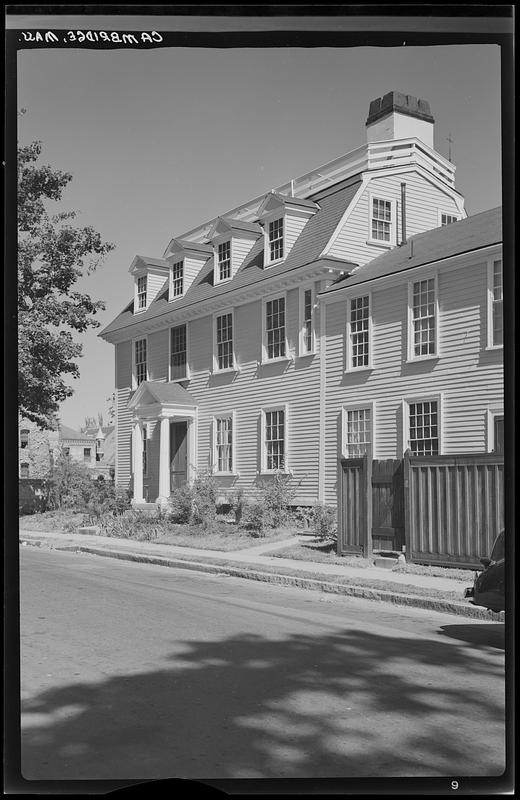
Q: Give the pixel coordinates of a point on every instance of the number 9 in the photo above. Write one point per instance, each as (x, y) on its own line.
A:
(454, 784)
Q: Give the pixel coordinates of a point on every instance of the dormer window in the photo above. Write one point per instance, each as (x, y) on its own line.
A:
(177, 279)
(381, 219)
(276, 239)
(141, 292)
(224, 261)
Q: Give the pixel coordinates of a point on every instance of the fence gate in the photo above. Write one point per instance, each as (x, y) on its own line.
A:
(354, 513)
(387, 505)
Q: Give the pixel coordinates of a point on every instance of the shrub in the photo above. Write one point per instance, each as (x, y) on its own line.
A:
(277, 495)
(323, 523)
(256, 517)
(204, 505)
(301, 517)
(180, 505)
(70, 485)
(130, 525)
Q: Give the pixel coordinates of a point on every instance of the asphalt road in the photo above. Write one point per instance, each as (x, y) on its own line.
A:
(132, 671)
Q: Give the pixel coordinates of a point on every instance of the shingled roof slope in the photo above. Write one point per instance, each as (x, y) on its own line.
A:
(305, 250)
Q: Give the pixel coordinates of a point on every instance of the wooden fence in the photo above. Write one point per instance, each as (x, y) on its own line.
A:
(454, 507)
(443, 510)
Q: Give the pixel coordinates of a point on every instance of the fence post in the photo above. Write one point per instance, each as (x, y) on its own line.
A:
(407, 520)
(367, 470)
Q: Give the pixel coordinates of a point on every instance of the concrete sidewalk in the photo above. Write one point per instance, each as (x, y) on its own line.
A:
(444, 594)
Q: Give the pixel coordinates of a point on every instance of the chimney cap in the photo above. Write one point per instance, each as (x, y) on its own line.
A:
(402, 103)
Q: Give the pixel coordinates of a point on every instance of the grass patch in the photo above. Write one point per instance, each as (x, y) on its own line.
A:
(51, 521)
(325, 553)
(222, 536)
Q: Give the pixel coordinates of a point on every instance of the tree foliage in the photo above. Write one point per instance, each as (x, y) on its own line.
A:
(52, 255)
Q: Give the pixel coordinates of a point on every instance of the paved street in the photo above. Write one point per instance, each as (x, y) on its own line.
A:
(137, 671)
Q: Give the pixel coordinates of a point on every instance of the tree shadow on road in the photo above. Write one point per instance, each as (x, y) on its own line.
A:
(299, 706)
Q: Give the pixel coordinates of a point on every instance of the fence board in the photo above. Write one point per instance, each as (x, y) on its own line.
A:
(355, 517)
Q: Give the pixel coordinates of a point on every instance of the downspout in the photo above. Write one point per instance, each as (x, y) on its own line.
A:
(403, 213)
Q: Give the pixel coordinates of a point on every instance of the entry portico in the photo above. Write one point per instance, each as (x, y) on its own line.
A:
(173, 410)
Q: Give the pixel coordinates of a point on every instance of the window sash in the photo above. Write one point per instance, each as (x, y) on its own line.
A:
(224, 444)
(497, 310)
(276, 239)
(24, 439)
(224, 332)
(140, 361)
(141, 292)
(448, 219)
(178, 353)
(224, 260)
(87, 454)
(424, 317)
(24, 470)
(274, 439)
(177, 273)
(358, 432)
(381, 222)
(359, 332)
(423, 431)
(498, 434)
(275, 328)
(308, 339)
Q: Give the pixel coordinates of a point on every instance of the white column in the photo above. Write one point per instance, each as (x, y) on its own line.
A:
(164, 461)
(138, 464)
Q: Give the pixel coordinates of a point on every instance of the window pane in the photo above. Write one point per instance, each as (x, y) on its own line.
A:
(275, 328)
(225, 341)
(381, 219)
(177, 278)
(140, 361)
(276, 239)
(307, 321)
(178, 361)
(358, 433)
(498, 318)
(424, 317)
(424, 433)
(224, 444)
(359, 332)
(275, 439)
(224, 260)
(499, 434)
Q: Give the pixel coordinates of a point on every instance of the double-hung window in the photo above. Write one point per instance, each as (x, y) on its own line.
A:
(177, 279)
(358, 426)
(274, 329)
(224, 342)
(307, 332)
(223, 444)
(87, 455)
(495, 304)
(140, 362)
(24, 439)
(423, 425)
(141, 292)
(358, 333)
(178, 353)
(24, 470)
(274, 439)
(382, 221)
(275, 239)
(423, 313)
(224, 261)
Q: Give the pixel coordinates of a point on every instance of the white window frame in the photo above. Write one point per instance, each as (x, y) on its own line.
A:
(187, 373)
(135, 385)
(172, 296)
(370, 404)
(263, 444)
(490, 304)
(224, 415)
(410, 338)
(24, 442)
(216, 367)
(348, 344)
(268, 261)
(405, 413)
(216, 272)
(393, 221)
(441, 213)
(265, 359)
(138, 294)
(491, 415)
(25, 464)
(302, 352)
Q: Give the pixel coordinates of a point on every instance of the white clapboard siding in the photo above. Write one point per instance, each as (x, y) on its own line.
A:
(469, 377)
(192, 267)
(158, 355)
(253, 387)
(124, 438)
(239, 250)
(423, 202)
(156, 282)
(293, 227)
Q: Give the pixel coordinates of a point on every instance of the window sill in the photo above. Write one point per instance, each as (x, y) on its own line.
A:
(378, 243)
(269, 472)
(175, 297)
(419, 359)
(307, 355)
(274, 263)
(179, 380)
(229, 371)
(494, 347)
(355, 370)
(226, 474)
(278, 360)
(140, 311)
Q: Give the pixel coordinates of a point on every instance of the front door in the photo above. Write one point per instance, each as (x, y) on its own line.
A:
(178, 454)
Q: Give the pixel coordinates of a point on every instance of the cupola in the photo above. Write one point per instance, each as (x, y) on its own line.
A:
(400, 116)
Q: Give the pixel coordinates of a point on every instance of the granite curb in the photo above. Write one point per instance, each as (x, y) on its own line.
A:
(253, 572)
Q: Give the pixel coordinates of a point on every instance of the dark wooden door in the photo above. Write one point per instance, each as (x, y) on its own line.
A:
(387, 505)
(178, 454)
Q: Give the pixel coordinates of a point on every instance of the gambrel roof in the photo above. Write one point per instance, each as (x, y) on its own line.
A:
(464, 236)
(306, 250)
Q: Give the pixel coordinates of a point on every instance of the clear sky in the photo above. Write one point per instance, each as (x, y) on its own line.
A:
(160, 141)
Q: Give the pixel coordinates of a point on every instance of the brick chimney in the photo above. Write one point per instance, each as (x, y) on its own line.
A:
(399, 116)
